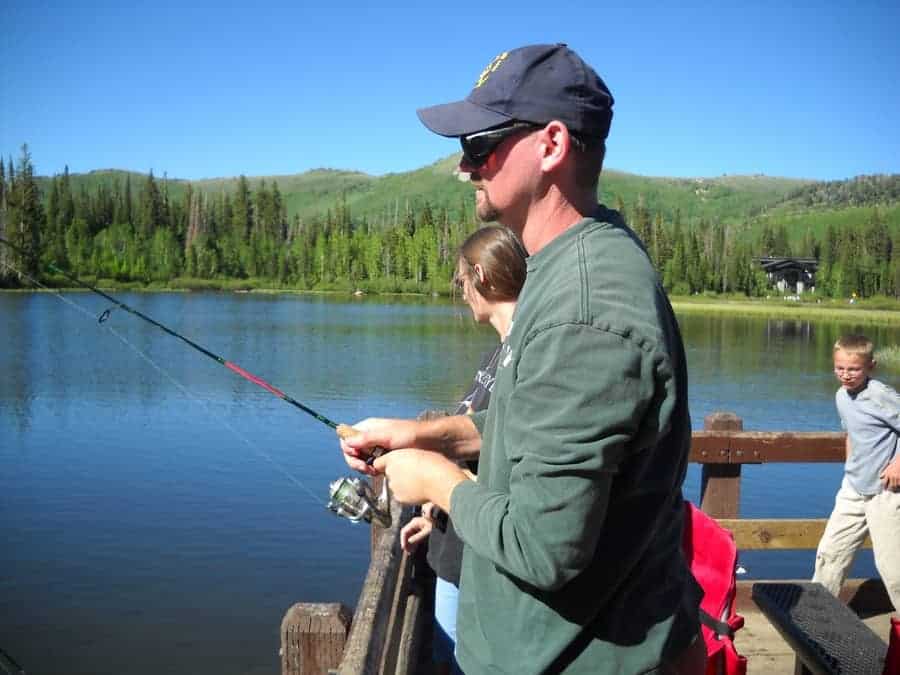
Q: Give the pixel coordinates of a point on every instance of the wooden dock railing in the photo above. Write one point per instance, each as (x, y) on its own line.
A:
(387, 630)
(723, 447)
(393, 614)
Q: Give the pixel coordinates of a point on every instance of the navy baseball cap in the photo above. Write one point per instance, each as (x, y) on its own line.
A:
(537, 83)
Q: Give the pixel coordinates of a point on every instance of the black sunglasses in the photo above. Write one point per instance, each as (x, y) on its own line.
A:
(478, 147)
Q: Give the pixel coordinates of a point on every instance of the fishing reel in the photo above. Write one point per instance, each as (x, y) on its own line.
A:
(355, 500)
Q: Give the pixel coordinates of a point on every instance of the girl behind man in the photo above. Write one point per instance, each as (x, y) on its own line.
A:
(490, 273)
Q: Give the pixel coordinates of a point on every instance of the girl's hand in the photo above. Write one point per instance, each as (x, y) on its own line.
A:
(415, 531)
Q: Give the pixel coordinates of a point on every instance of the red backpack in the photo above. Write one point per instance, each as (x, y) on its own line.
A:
(712, 556)
(892, 660)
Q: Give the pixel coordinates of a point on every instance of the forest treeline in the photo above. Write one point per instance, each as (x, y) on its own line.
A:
(134, 232)
(858, 191)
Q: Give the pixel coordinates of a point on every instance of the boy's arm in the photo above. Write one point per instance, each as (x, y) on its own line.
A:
(847, 448)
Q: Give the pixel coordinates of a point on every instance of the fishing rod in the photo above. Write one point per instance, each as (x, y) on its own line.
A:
(343, 490)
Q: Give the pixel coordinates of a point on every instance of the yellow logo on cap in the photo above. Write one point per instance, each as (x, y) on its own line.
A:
(491, 67)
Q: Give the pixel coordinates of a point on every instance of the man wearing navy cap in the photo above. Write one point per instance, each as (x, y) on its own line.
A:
(573, 529)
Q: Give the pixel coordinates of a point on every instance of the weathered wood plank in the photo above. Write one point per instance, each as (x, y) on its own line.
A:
(402, 652)
(720, 490)
(777, 533)
(395, 617)
(388, 611)
(754, 447)
(710, 447)
(376, 530)
(720, 484)
(313, 637)
(365, 644)
(416, 621)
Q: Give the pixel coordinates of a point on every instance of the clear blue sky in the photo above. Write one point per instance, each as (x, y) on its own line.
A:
(263, 88)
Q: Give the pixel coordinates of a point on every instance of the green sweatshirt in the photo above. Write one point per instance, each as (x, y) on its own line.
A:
(573, 531)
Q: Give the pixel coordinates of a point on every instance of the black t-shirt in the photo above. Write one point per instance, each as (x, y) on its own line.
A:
(444, 546)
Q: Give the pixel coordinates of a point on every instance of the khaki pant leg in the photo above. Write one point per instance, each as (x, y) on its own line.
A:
(883, 516)
(845, 532)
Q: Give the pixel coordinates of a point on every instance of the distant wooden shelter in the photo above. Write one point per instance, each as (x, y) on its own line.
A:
(791, 275)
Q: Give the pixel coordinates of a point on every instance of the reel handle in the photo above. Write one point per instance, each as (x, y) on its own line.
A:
(346, 431)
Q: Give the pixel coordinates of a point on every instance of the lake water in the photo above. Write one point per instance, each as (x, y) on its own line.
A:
(159, 514)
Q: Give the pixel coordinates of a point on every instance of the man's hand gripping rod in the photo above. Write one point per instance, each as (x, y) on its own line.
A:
(345, 431)
(354, 499)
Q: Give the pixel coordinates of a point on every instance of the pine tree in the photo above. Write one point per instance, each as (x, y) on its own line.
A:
(782, 244)
(641, 223)
(66, 202)
(279, 214)
(128, 206)
(893, 272)
(195, 221)
(660, 246)
(717, 255)
(767, 244)
(2, 186)
(25, 217)
(675, 274)
(165, 219)
(149, 215)
(242, 211)
(55, 240)
(265, 219)
(5, 272)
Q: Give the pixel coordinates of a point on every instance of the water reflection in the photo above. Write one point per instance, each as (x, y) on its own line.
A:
(133, 516)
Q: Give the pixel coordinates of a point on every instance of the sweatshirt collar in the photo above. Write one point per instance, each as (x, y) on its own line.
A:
(559, 244)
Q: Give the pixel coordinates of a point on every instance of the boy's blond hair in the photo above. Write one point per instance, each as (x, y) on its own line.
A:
(856, 344)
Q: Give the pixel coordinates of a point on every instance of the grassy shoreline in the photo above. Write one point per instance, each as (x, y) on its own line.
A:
(880, 311)
(789, 310)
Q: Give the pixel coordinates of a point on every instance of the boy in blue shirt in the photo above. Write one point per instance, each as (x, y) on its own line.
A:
(868, 501)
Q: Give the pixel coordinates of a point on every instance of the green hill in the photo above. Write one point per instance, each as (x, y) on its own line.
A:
(703, 234)
(749, 201)
(313, 192)
(726, 198)
(816, 206)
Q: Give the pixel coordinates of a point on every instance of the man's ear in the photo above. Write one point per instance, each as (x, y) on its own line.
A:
(556, 145)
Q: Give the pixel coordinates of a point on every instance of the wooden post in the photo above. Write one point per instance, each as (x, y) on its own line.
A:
(720, 484)
(376, 530)
(313, 637)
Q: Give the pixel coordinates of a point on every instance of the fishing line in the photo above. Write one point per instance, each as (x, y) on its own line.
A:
(184, 390)
(348, 497)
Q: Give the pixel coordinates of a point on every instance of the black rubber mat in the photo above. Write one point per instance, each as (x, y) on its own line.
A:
(827, 635)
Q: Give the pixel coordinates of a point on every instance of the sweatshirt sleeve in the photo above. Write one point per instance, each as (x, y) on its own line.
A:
(568, 423)
(478, 418)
